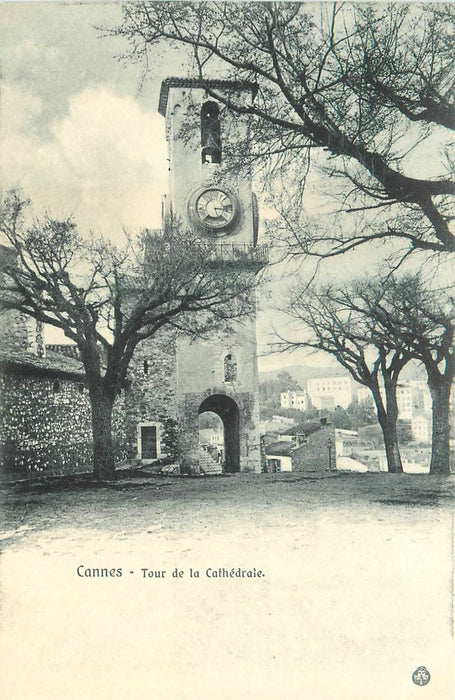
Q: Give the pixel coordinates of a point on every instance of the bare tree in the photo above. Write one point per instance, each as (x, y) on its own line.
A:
(357, 86)
(337, 322)
(108, 299)
(373, 328)
(413, 312)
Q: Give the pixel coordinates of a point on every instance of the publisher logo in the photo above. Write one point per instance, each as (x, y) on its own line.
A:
(421, 676)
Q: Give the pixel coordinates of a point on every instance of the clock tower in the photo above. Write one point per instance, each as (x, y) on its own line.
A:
(218, 375)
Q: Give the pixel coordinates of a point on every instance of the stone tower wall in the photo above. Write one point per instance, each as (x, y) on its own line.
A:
(201, 381)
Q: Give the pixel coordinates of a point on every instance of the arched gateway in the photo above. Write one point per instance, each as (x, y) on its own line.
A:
(227, 409)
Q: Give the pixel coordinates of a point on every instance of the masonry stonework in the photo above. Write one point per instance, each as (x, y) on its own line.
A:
(318, 454)
(151, 396)
(45, 417)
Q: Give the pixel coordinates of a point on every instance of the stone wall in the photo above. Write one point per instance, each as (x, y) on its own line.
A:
(45, 414)
(314, 455)
(45, 424)
(48, 431)
(44, 432)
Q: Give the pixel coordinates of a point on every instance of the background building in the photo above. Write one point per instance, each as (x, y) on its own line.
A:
(421, 428)
(308, 446)
(329, 392)
(295, 399)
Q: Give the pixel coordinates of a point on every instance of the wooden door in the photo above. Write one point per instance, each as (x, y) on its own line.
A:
(148, 442)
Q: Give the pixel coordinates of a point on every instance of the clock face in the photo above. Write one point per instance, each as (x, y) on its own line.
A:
(214, 209)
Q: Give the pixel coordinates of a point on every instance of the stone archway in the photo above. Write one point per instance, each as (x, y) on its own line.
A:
(227, 409)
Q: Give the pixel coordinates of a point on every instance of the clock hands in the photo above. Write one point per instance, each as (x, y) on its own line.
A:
(215, 209)
(220, 211)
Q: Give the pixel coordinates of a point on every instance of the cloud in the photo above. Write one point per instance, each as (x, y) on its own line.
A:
(104, 161)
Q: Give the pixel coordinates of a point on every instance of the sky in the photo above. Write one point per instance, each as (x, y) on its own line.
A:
(78, 134)
(80, 131)
(81, 135)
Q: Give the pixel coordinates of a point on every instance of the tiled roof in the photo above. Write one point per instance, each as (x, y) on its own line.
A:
(198, 83)
(280, 449)
(53, 364)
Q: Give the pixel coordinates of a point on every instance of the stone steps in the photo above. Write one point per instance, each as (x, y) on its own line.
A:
(205, 462)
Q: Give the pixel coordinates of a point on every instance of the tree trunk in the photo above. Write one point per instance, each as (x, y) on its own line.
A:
(440, 438)
(392, 450)
(388, 421)
(103, 448)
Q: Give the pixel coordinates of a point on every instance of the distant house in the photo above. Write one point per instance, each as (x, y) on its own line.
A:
(279, 456)
(421, 428)
(308, 446)
(210, 436)
(326, 393)
(294, 399)
(405, 402)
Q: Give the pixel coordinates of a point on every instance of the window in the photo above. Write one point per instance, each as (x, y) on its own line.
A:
(210, 133)
(146, 366)
(81, 388)
(276, 466)
(230, 368)
(56, 387)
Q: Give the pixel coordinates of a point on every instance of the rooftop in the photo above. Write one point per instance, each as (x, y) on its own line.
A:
(53, 364)
(305, 428)
(280, 449)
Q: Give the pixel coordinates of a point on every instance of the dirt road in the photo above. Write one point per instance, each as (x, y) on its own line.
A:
(354, 591)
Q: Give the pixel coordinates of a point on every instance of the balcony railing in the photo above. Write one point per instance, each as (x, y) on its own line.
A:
(243, 253)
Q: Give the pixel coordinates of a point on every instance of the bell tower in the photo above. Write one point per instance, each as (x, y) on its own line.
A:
(218, 375)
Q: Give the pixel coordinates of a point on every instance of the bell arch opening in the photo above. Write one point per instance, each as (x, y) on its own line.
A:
(210, 133)
(227, 409)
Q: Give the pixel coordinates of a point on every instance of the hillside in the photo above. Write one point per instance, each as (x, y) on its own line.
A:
(302, 373)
